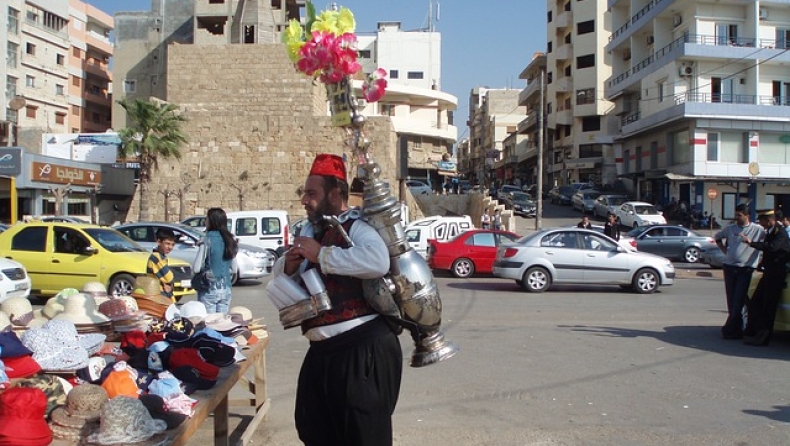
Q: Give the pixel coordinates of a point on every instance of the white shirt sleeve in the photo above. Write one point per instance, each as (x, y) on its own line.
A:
(367, 259)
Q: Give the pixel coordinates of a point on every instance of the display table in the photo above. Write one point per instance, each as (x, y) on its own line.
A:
(217, 401)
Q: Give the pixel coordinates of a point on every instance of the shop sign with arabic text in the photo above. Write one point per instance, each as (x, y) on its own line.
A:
(55, 173)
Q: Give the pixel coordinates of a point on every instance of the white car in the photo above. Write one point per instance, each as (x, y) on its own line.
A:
(638, 213)
(579, 256)
(607, 204)
(418, 187)
(14, 281)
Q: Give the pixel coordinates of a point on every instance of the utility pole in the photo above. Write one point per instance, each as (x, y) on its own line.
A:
(541, 138)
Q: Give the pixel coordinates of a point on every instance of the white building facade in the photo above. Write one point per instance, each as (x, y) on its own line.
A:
(421, 113)
(702, 96)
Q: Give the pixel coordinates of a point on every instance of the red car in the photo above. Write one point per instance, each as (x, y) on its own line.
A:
(469, 252)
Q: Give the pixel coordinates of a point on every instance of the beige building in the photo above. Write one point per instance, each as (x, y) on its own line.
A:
(526, 149)
(702, 100)
(90, 80)
(576, 68)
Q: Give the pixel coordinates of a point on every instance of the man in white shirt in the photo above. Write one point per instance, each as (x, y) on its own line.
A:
(350, 378)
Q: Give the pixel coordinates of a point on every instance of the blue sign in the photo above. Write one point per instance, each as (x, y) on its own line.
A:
(447, 165)
(11, 162)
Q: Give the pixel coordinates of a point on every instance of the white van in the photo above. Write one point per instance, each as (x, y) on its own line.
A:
(269, 229)
(436, 228)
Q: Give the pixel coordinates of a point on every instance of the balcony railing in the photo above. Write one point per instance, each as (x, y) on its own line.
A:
(635, 18)
(630, 118)
(719, 98)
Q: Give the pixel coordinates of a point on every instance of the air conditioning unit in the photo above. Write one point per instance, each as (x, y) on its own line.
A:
(763, 14)
(686, 70)
(650, 40)
(677, 20)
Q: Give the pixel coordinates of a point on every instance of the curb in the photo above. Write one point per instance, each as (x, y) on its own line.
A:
(694, 274)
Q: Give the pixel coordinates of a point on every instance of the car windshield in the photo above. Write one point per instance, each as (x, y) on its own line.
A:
(114, 241)
(591, 195)
(645, 209)
(521, 196)
(191, 231)
(617, 201)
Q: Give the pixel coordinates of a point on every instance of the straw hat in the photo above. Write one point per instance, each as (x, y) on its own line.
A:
(146, 286)
(5, 322)
(18, 309)
(97, 290)
(83, 404)
(243, 316)
(126, 421)
(55, 304)
(80, 309)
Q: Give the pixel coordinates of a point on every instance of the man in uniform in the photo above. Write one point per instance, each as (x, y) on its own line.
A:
(762, 305)
(350, 378)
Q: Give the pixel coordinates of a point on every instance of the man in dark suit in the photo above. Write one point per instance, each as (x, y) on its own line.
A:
(763, 303)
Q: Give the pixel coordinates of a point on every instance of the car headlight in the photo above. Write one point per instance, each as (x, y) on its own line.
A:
(517, 207)
(256, 254)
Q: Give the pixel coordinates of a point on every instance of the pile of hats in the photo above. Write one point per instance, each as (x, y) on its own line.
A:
(16, 360)
(81, 310)
(149, 297)
(58, 347)
(255, 329)
(20, 312)
(95, 290)
(125, 314)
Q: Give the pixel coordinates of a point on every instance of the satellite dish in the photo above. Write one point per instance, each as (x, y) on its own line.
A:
(754, 168)
(17, 103)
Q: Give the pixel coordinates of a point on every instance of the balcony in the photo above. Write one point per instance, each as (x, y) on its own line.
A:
(525, 95)
(643, 16)
(99, 42)
(98, 96)
(565, 52)
(96, 68)
(528, 124)
(565, 115)
(564, 19)
(432, 129)
(564, 85)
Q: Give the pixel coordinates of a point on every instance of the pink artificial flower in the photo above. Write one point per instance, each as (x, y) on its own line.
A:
(374, 87)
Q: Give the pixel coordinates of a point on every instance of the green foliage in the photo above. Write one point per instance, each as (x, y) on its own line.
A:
(155, 133)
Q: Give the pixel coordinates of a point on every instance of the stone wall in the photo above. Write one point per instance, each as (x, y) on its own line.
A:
(254, 126)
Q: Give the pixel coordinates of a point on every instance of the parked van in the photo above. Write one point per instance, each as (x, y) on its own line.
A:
(269, 229)
(436, 228)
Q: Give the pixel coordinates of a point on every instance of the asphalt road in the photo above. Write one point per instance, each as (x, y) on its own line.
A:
(573, 366)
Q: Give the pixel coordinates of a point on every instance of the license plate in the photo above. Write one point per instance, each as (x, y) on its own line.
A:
(20, 287)
(186, 283)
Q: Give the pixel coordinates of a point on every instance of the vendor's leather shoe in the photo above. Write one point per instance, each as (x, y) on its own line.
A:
(760, 339)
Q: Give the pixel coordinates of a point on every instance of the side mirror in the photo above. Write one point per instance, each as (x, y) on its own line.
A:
(90, 250)
(187, 241)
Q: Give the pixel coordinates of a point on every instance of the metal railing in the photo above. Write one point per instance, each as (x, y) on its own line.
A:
(719, 98)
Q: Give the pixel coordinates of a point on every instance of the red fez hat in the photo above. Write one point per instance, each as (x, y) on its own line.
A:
(329, 165)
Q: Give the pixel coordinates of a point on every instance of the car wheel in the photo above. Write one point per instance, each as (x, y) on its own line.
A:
(234, 279)
(274, 253)
(536, 280)
(463, 268)
(692, 255)
(645, 281)
(121, 285)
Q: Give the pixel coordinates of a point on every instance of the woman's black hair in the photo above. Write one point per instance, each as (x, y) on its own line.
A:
(217, 220)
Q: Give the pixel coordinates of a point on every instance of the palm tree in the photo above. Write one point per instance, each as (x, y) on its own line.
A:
(155, 133)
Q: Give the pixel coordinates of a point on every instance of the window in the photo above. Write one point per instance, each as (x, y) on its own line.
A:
(96, 118)
(247, 226)
(54, 22)
(69, 241)
(59, 90)
(387, 109)
(10, 87)
(32, 17)
(549, 17)
(60, 118)
(681, 152)
(393, 74)
(661, 91)
(60, 59)
(560, 240)
(11, 54)
(75, 52)
(586, 61)
(13, 21)
(129, 85)
(549, 77)
(364, 54)
(482, 239)
(585, 27)
(414, 75)
(713, 146)
(548, 47)
(590, 150)
(30, 49)
(75, 81)
(586, 96)
(30, 81)
(591, 123)
(270, 225)
(30, 111)
(30, 239)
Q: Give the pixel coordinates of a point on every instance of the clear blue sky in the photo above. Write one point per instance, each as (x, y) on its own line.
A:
(484, 43)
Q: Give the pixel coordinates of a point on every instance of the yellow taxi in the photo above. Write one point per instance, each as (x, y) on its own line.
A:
(782, 321)
(67, 255)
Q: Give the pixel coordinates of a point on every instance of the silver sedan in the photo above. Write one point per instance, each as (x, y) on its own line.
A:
(579, 256)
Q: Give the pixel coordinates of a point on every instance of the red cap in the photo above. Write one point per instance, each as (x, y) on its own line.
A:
(191, 357)
(329, 165)
(21, 366)
(22, 422)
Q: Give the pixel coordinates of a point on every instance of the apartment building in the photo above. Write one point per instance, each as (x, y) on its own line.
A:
(90, 79)
(421, 114)
(493, 115)
(702, 100)
(527, 148)
(56, 65)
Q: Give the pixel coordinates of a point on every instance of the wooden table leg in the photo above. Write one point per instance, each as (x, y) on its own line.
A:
(221, 423)
(260, 380)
